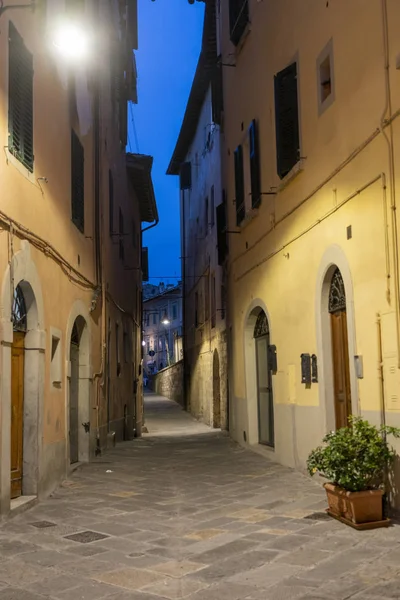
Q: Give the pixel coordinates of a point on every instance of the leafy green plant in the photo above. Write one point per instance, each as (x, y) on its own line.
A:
(354, 457)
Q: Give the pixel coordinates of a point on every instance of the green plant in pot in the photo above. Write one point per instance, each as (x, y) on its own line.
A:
(355, 460)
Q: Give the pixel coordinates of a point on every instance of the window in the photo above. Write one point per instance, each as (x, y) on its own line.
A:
(77, 182)
(239, 185)
(126, 346)
(222, 243)
(174, 312)
(287, 120)
(206, 216)
(185, 176)
(212, 207)
(238, 19)
(223, 301)
(121, 236)
(255, 173)
(213, 303)
(325, 78)
(117, 355)
(111, 201)
(155, 318)
(20, 100)
(207, 298)
(55, 364)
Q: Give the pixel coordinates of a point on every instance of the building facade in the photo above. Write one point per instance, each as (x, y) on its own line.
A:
(311, 132)
(162, 328)
(197, 160)
(71, 208)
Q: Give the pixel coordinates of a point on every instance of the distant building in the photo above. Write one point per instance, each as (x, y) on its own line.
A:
(162, 328)
(150, 290)
(197, 159)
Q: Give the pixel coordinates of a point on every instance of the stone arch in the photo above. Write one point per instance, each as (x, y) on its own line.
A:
(79, 325)
(333, 258)
(256, 307)
(22, 272)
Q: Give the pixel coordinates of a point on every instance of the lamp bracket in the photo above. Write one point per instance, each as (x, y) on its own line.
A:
(31, 5)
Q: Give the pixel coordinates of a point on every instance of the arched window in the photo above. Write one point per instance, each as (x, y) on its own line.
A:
(261, 327)
(19, 311)
(337, 294)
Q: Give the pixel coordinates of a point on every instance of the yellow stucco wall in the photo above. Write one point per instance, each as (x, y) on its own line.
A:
(278, 258)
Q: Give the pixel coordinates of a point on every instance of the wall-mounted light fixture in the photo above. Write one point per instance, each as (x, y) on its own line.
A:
(165, 320)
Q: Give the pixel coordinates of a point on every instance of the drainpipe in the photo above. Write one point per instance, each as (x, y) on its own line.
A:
(184, 292)
(98, 246)
(390, 144)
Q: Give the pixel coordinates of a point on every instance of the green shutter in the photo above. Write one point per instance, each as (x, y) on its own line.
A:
(77, 182)
(255, 172)
(121, 236)
(110, 202)
(287, 120)
(239, 185)
(20, 100)
(222, 245)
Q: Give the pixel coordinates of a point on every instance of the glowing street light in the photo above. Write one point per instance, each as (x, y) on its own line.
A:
(165, 320)
(143, 343)
(71, 41)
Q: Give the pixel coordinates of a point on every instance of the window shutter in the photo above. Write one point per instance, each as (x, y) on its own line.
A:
(239, 185)
(145, 264)
(186, 176)
(217, 92)
(121, 236)
(111, 201)
(238, 19)
(77, 182)
(221, 233)
(20, 110)
(255, 172)
(287, 120)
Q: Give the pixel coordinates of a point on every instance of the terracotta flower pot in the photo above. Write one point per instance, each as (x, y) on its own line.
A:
(357, 507)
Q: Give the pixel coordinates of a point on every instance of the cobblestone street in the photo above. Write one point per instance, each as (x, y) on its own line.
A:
(186, 513)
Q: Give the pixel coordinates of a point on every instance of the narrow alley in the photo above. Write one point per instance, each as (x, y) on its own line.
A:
(184, 512)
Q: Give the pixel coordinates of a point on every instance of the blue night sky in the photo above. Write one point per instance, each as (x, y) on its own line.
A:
(169, 45)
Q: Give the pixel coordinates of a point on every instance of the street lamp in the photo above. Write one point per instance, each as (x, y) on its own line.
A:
(71, 40)
(165, 320)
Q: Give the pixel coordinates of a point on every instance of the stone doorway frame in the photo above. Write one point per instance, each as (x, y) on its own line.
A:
(250, 365)
(22, 271)
(333, 258)
(79, 313)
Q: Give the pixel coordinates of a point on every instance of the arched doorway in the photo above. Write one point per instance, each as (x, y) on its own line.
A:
(340, 350)
(19, 321)
(265, 402)
(216, 420)
(79, 418)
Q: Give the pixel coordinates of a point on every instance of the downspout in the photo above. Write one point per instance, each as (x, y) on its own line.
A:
(390, 144)
(184, 291)
(98, 249)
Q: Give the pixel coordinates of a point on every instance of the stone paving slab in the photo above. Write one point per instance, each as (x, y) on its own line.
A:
(187, 514)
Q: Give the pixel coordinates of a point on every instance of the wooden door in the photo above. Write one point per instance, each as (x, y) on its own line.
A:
(17, 413)
(341, 370)
(73, 405)
(264, 393)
